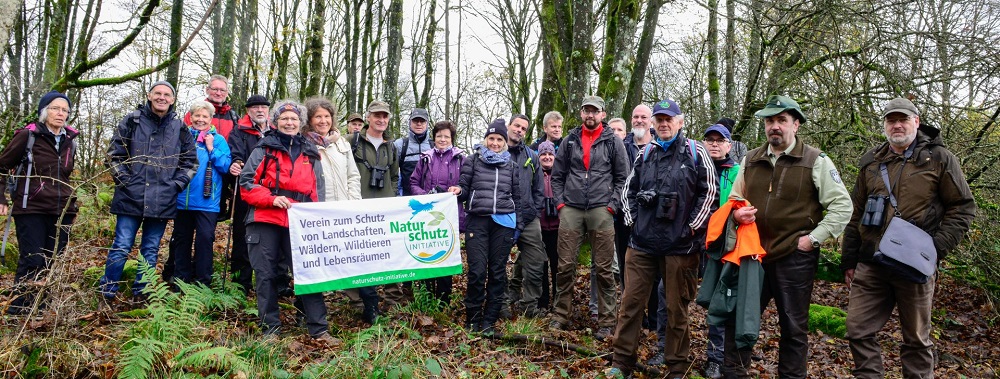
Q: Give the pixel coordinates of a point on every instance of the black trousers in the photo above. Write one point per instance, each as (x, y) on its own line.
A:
(197, 227)
(550, 238)
(239, 258)
(36, 240)
(789, 281)
(487, 245)
(271, 257)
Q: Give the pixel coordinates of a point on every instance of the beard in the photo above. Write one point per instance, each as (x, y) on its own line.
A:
(639, 132)
(901, 140)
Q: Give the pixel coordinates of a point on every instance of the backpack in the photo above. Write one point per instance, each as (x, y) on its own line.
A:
(27, 164)
(692, 148)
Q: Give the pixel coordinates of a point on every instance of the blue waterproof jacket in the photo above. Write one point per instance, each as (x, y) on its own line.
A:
(193, 197)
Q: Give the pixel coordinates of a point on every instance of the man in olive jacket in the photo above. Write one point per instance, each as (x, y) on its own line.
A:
(587, 181)
(379, 165)
(931, 193)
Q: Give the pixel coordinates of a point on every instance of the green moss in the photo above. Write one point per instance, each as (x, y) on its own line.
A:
(829, 320)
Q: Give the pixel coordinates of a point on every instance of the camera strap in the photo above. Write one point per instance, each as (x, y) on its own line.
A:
(885, 177)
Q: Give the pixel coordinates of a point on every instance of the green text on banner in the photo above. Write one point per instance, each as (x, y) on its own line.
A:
(347, 244)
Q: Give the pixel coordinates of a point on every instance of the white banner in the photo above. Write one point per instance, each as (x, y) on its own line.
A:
(359, 243)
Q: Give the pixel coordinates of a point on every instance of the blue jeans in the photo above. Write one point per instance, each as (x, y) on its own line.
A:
(126, 228)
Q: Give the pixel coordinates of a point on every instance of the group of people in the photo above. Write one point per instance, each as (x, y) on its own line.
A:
(645, 200)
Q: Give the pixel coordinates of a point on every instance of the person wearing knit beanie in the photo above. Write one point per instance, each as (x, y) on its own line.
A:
(498, 126)
(52, 95)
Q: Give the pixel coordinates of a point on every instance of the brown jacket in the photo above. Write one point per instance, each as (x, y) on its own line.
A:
(931, 193)
(49, 185)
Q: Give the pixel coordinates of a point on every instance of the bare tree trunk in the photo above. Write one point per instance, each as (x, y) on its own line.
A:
(557, 47)
(176, 26)
(56, 49)
(712, 55)
(363, 87)
(246, 62)
(393, 54)
(635, 90)
(432, 22)
(616, 67)
(352, 33)
(447, 60)
(314, 49)
(730, 58)
(14, 53)
(9, 18)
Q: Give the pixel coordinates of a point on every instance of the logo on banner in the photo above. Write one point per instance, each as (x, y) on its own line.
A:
(427, 233)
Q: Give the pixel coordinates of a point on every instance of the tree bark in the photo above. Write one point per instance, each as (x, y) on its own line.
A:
(55, 51)
(619, 58)
(645, 49)
(714, 110)
(314, 49)
(581, 58)
(393, 54)
(429, 46)
(555, 19)
(176, 26)
(730, 58)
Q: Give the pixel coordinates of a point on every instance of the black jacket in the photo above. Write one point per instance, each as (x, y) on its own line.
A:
(690, 185)
(49, 185)
(489, 189)
(152, 159)
(601, 185)
(531, 190)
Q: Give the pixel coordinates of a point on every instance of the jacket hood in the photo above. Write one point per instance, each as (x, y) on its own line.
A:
(273, 141)
(147, 110)
(452, 152)
(41, 129)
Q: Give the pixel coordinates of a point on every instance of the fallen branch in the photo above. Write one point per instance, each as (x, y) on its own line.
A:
(521, 338)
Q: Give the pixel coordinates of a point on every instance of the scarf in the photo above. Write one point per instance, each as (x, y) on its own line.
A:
(665, 144)
(317, 139)
(493, 158)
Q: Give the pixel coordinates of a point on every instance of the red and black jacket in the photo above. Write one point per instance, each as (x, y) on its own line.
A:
(224, 119)
(270, 172)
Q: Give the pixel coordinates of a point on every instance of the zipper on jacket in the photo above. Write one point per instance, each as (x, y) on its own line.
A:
(496, 182)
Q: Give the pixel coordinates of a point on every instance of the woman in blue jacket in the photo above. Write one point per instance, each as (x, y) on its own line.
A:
(198, 203)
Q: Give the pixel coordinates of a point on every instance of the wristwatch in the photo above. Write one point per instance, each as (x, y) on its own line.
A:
(814, 241)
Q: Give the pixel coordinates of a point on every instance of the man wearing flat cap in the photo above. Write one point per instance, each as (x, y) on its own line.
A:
(797, 200)
(587, 180)
(930, 192)
(354, 123)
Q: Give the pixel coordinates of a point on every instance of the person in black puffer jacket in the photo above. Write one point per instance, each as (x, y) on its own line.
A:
(488, 186)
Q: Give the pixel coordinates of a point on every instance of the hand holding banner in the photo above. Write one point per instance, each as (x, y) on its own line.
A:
(347, 244)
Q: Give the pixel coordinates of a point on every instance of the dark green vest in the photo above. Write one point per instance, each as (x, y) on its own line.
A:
(785, 196)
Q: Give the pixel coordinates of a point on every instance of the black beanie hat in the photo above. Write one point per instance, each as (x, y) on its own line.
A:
(498, 126)
(727, 122)
(52, 95)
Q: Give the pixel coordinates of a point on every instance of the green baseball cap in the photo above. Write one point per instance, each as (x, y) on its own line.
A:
(777, 104)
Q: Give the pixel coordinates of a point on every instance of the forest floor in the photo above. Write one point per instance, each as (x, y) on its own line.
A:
(70, 338)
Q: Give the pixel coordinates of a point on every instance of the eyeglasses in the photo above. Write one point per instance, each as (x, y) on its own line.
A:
(590, 111)
(289, 119)
(57, 109)
(217, 89)
(715, 141)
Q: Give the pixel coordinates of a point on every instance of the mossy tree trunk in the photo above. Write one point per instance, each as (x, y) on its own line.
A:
(645, 49)
(619, 56)
(314, 49)
(394, 55)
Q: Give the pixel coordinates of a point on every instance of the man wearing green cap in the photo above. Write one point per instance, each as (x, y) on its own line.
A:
(797, 201)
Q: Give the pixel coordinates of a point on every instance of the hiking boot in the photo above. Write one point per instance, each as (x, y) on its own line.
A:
(657, 360)
(713, 370)
(488, 330)
(556, 325)
(604, 333)
(370, 315)
(327, 339)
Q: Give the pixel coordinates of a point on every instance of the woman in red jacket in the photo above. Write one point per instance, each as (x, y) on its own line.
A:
(282, 170)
